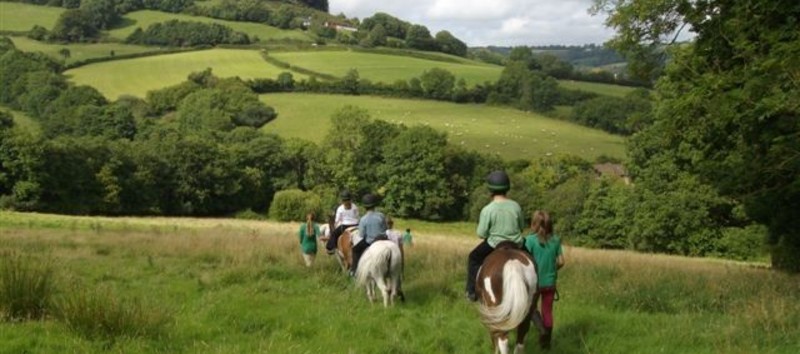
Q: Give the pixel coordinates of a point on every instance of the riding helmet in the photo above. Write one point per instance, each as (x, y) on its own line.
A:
(344, 196)
(498, 181)
(369, 200)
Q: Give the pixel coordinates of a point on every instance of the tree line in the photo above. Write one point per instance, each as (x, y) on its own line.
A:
(195, 149)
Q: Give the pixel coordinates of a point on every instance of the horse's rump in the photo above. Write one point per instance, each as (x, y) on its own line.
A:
(344, 247)
(505, 284)
(381, 265)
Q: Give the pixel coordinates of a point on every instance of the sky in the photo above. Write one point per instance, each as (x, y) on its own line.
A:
(492, 22)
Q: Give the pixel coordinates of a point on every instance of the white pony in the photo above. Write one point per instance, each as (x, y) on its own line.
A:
(381, 265)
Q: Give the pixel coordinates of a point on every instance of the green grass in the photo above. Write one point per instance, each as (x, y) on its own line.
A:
(385, 68)
(508, 132)
(21, 17)
(22, 121)
(145, 18)
(139, 75)
(598, 88)
(232, 286)
(78, 51)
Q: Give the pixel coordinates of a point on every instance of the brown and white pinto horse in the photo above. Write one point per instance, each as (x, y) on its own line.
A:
(505, 286)
(344, 247)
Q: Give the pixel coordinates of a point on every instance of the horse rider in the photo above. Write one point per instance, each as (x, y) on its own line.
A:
(500, 220)
(372, 227)
(346, 217)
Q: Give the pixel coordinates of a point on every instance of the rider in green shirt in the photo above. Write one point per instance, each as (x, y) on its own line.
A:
(500, 220)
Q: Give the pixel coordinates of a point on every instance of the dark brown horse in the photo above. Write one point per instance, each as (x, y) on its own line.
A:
(505, 286)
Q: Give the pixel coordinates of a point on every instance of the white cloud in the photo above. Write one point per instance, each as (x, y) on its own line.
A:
(469, 10)
(486, 22)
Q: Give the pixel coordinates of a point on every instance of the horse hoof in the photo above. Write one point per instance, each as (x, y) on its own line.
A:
(472, 297)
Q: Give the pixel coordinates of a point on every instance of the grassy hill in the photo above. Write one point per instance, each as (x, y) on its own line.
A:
(21, 17)
(186, 285)
(78, 51)
(22, 121)
(505, 131)
(139, 75)
(147, 17)
(385, 68)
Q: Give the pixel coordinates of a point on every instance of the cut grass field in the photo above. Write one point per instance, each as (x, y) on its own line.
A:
(233, 286)
(19, 17)
(385, 68)
(22, 121)
(139, 75)
(508, 132)
(145, 18)
(596, 87)
(78, 51)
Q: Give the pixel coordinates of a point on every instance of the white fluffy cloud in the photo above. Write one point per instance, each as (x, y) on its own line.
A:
(492, 22)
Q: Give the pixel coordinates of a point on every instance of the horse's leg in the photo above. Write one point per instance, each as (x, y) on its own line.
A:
(500, 340)
(522, 332)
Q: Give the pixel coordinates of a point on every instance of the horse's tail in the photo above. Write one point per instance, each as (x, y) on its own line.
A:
(519, 284)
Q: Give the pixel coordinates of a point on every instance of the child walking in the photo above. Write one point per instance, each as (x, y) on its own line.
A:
(308, 239)
(545, 247)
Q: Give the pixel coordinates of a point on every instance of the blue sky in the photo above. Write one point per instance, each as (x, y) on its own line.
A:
(493, 22)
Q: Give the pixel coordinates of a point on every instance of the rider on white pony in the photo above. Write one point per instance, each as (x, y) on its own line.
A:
(371, 227)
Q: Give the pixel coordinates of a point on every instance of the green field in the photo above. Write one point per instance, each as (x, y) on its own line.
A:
(21, 17)
(22, 121)
(505, 131)
(78, 51)
(145, 18)
(385, 68)
(596, 87)
(139, 75)
(234, 286)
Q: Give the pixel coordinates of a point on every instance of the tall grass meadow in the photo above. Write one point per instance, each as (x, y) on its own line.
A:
(142, 285)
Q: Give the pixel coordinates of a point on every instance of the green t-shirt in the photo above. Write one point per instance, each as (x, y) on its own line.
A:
(545, 256)
(308, 243)
(501, 221)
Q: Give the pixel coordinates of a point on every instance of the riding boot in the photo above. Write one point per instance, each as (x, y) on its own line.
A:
(544, 338)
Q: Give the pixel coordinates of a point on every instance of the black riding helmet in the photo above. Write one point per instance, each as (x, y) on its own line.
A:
(344, 196)
(498, 181)
(369, 200)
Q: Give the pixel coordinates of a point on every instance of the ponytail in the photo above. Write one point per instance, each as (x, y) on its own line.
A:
(542, 225)
(309, 224)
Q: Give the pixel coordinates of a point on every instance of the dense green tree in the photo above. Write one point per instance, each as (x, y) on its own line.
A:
(418, 37)
(74, 25)
(450, 44)
(393, 26)
(350, 83)
(414, 175)
(375, 38)
(728, 106)
(336, 164)
(437, 83)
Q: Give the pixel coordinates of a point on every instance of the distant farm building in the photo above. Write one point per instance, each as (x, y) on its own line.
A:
(340, 26)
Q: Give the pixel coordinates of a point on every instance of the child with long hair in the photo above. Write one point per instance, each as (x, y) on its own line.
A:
(308, 239)
(545, 247)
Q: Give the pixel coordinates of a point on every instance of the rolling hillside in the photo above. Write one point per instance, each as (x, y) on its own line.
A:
(145, 18)
(78, 51)
(18, 17)
(385, 68)
(508, 132)
(137, 76)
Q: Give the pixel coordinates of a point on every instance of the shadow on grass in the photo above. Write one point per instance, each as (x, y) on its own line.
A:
(572, 336)
(124, 23)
